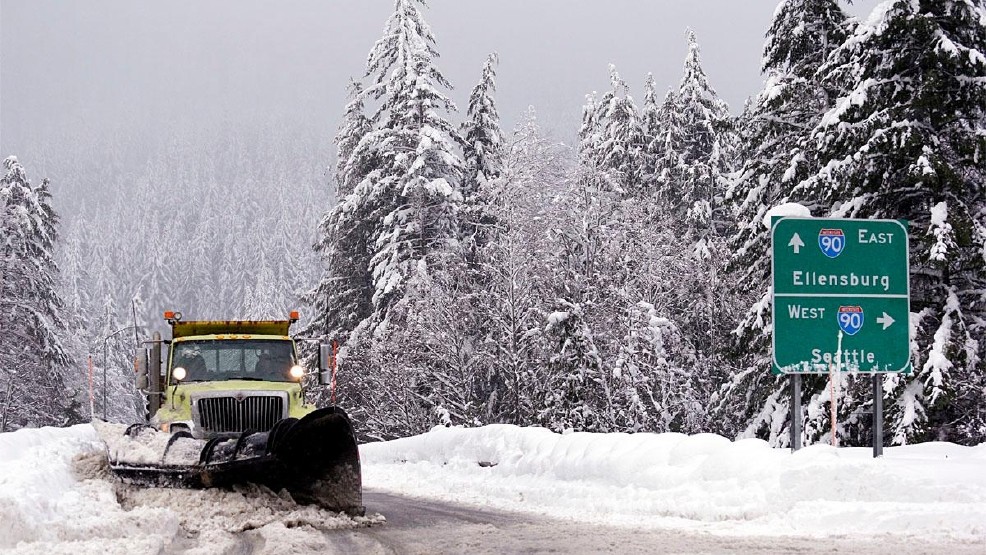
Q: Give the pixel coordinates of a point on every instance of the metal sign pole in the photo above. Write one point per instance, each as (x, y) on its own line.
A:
(335, 354)
(104, 376)
(92, 394)
(877, 415)
(795, 412)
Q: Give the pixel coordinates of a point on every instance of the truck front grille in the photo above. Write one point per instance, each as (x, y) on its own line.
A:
(229, 414)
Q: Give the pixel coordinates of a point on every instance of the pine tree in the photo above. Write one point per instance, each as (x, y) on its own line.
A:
(780, 120)
(461, 294)
(481, 132)
(415, 192)
(32, 356)
(342, 298)
(483, 159)
(665, 151)
(906, 142)
(265, 300)
(708, 144)
(651, 127)
(397, 230)
(623, 138)
(590, 132)
(354, 128)
(698, 146)
(581, 393)
(775, 149)
(611, 139)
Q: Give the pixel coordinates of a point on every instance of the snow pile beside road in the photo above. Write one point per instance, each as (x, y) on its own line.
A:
(43, 504)
(703, 482)
(56, 496)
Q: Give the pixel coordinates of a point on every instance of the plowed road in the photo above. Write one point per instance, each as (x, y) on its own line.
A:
(427, 527)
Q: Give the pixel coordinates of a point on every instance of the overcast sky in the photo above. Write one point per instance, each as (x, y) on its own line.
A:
(67, 65)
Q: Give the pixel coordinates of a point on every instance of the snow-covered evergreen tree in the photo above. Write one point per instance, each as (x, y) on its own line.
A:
(33, 358)
(415, 192)
(397, 231)
(483, 158)
(590, 132)
(707, 147)
(651, 127)
(906, 142)
(622, 144)
(342, 298)
(265, 300)
(780, 120)
(775, 150)
(353, 129)
(581, 388)
(664, 156)
(694, 156)
(611, 139)
(482, 135)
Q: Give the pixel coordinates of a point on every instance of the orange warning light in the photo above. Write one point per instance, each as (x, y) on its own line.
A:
(168, 314)
(294, 315)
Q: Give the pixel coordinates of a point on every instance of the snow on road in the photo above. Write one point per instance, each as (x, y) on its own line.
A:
(55, 496)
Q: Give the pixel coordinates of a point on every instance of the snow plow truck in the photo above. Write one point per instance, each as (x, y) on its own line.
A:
(226, 405)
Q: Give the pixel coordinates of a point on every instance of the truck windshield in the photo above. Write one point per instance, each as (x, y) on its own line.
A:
(231, 359)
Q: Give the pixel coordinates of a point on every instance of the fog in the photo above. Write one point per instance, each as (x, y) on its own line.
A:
(137, 66)
(189, 143)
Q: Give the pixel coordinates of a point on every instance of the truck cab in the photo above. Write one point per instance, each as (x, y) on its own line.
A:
(224, 378)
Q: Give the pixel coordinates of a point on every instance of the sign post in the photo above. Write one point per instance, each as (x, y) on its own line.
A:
(795, 411)
(841, 298)
(877, 415)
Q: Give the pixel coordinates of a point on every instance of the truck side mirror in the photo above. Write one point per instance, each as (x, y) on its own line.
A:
(141, 367)
(324, 364)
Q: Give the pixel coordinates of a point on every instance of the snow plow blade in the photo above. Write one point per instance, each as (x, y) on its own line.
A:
(316, 459)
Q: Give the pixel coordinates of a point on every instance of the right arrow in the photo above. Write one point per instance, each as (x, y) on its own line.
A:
(886, 320)
(797, 243)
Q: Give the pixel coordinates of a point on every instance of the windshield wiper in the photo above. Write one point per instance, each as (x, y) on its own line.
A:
(247, 378)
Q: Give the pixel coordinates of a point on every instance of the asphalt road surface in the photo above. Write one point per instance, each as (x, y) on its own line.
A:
(416, 526)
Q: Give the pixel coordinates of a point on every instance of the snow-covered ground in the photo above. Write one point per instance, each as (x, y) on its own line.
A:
(55, 496)
(699, 483)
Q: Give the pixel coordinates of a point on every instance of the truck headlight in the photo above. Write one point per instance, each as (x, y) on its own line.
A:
(297, 372)
(178, 373)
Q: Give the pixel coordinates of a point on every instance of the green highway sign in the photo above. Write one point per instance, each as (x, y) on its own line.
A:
(841, 295)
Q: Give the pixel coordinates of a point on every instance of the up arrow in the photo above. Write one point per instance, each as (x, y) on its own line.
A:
(797, 243)
(886, 320)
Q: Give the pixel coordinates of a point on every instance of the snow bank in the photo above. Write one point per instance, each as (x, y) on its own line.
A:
(56, 496)
(703, 482)
(43, 504)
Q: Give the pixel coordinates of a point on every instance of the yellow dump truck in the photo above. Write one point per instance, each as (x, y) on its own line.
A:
(232, 392)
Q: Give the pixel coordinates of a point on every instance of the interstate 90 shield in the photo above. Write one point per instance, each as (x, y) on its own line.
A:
(832, 242)
(850, 319)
